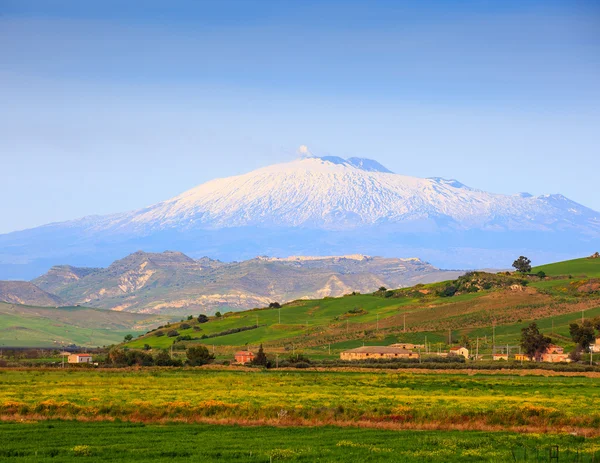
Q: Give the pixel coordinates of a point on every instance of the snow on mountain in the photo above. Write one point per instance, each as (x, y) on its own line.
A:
(320, 206)
(335, 194)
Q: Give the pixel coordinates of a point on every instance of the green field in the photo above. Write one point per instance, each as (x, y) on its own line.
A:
(399, 399)
(576, 267)
(28, 326)
(126, 442)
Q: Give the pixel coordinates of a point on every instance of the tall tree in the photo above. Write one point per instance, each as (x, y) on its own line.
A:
(261, 358)
(522, 264)
(533, 342)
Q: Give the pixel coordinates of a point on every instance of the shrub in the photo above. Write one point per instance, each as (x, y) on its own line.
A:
(198, 356)
(302, 365)
(173, 333)
(202, 318)
(184, 326)
(159, 333)
(274, 305)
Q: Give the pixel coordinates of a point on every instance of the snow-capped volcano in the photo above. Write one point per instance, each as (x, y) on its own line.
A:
(320, 206)
(334, 193)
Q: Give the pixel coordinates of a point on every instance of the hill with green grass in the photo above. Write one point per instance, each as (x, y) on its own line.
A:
(586, 266)
(30, 326)
(483, 306)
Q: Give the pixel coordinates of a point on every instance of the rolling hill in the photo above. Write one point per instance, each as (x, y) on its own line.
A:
(28, 326)
(319, 206)
(470, 306)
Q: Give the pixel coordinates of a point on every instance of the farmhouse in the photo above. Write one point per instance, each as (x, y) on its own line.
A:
(460, 351)
(80, 358)
(555, 354)
(243, 356)
(377, 352)
(500, 356)
(596, 346)
(522, 357)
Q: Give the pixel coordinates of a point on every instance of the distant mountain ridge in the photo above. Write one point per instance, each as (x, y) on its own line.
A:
(173, 283)
(327, 206)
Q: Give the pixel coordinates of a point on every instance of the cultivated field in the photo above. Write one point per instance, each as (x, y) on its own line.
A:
(64, 441)
(396, 400)
(352, 416)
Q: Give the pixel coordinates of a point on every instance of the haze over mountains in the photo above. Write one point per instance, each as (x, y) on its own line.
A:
(320, 206)
(173, 283)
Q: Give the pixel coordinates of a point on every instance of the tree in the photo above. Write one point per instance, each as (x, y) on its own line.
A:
(260, 358)
(147, 347)
(533, 342)
(465, 341)
(202, 318)
(583, 334)
(541, 274)
(197, 356)
(382, 289)
(163, 359)
(522, 264)
(274, 305)
(128, 337)
(218, 315)
(190, 317)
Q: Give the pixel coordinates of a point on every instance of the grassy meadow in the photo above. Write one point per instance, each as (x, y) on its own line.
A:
(65, 441)
(396, 400)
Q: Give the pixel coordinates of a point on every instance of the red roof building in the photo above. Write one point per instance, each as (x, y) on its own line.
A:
(243, 356)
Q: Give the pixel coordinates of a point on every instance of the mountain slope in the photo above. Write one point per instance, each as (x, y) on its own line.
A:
(320, 206)
(24, 292)
(171, 282)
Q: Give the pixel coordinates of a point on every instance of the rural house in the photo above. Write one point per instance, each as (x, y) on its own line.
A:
(596, 346)
(500, 356)
(377, 352)
(555, 354)
(80, 358)
(522, 357)
(460, 351)
(243, 356)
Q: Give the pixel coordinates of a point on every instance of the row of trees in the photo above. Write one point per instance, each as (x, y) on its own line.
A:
(195, 356)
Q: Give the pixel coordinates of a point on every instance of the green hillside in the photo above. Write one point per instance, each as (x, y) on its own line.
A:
(468, 306)
(28, 326)
(586, 266)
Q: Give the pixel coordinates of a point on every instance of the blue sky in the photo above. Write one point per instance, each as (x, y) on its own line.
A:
(109, 107)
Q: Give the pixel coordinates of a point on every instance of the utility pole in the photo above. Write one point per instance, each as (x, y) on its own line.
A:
(346, 326)
(257, 321)
(553, 326)
(494, 336)
(449, 337)
(426, 344)
(276, 360)
(405, 322)
(477, 349)
(280, 315)
(329, 349)
(582, 316)
(377, 322)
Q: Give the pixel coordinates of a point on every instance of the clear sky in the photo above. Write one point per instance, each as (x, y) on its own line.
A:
(109, 106)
